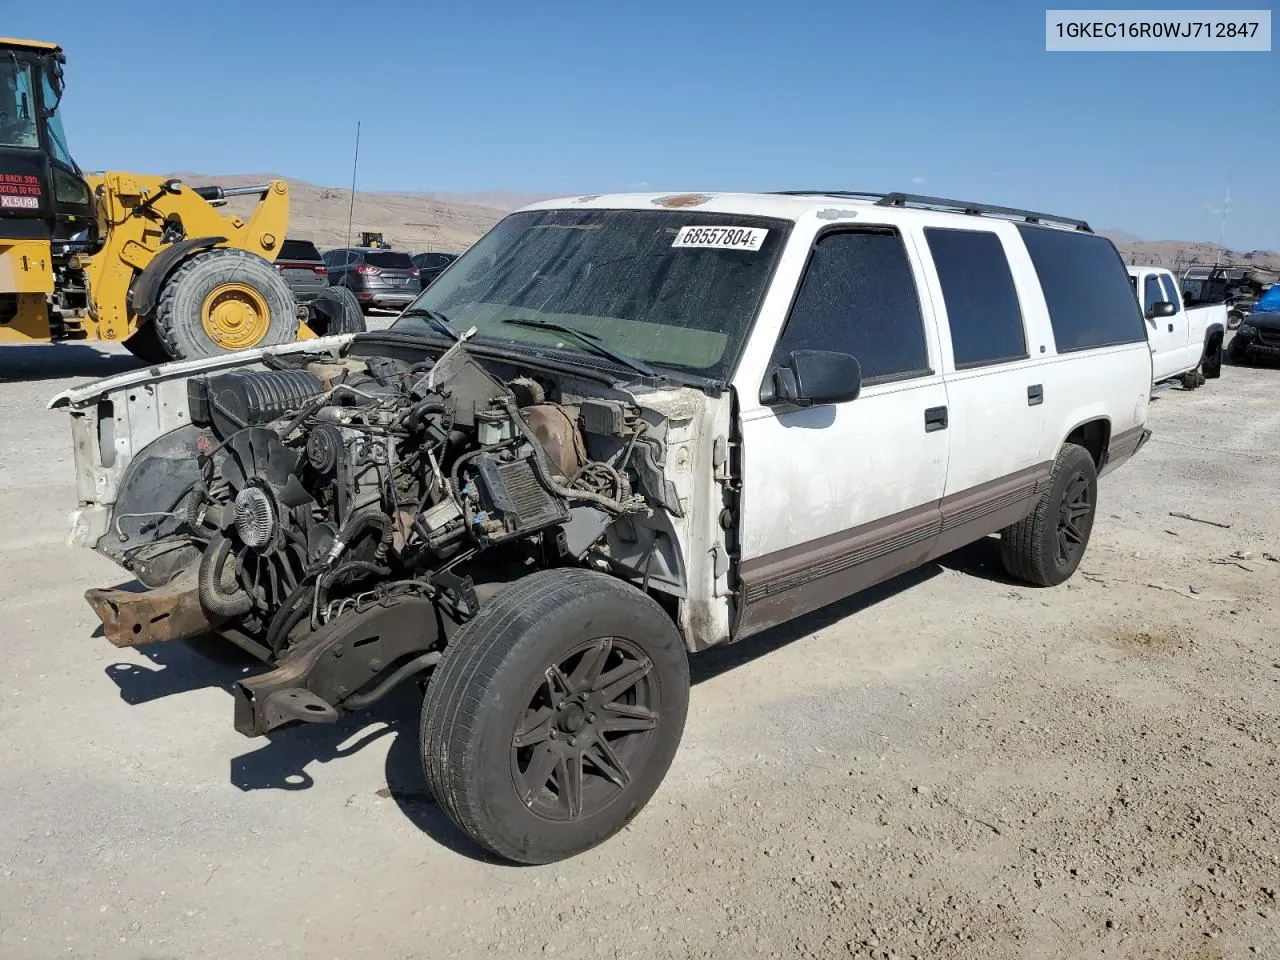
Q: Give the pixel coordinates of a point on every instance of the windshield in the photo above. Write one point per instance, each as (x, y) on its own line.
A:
(17, 105)
(670, 288)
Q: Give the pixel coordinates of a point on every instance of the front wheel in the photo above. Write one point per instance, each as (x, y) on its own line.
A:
(1046, 547)
(555, 714)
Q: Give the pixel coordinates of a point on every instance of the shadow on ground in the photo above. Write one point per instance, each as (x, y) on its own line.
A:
(287, 758)
(57, 361)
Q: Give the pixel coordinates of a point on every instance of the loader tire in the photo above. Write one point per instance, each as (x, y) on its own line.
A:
(335, 310)
(221, 301)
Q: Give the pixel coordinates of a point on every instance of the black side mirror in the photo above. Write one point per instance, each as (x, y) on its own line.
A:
(1161, 308)
(810, 377)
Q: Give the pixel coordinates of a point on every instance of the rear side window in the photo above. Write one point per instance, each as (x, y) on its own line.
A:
(298, 250)
(858, 296)
(1171, 290)
(1084, 281)
(982, 303)
(1152, 292)
(389, 260)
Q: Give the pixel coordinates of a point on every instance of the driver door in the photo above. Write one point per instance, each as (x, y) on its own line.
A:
(841, 496)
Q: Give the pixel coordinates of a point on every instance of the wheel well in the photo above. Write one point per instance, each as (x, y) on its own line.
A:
(1094, 436)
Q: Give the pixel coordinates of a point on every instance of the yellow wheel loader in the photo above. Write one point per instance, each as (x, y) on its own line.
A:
(140, 260)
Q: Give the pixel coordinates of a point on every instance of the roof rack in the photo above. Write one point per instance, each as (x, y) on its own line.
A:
(939, 203)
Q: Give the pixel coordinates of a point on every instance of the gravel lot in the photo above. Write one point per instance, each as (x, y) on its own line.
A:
(949, 766)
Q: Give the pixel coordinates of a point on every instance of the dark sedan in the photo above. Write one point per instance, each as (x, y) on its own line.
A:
(377, 276)
(1258, 336)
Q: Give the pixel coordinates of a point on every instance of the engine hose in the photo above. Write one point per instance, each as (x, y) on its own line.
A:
(209, 582)
(414, 414)
(290, 612)
(417, 664)
(369, 516)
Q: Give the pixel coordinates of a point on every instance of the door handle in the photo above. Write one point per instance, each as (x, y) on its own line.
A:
(1035, 394)
(935, 418)
(1171, 328)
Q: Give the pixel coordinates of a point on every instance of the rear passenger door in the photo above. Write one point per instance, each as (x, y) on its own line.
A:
(838, 497)
(995, 392)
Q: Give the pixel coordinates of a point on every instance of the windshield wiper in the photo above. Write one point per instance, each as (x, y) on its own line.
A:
(438, 321)
(590, 339)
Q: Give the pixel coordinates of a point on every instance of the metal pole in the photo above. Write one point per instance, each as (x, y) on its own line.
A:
(355, 161)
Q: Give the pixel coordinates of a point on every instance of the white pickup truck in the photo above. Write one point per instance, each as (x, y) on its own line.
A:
(1186, 342)
(617, 431)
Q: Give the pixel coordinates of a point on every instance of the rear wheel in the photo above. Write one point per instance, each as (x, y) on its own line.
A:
(1046, 547)
(222, 301)
(555, 714)
(335, 310)
(1211, 366)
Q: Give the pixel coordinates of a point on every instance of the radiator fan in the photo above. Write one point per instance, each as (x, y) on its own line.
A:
(272, 511)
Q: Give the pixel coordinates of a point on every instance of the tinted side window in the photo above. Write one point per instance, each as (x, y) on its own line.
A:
(1171, 290)
(858, 296)
(1152, 292)
(299, 250)
(1083, 279)
(982, 304)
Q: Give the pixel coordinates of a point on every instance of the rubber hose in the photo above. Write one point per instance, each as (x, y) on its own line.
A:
(569, 493)
(284, 619)
(209, 582)
(329, 579)
(365, 517)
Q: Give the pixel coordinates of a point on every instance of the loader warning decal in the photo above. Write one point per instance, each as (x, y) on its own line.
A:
(19, 191)
(721, 238)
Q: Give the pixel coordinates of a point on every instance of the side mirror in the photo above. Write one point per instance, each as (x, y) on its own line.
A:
(813, 377)
(1161, 308)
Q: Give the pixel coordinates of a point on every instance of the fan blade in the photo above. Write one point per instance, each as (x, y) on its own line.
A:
(239, 452)
(294, 494)
(274, 460)
(232, 472)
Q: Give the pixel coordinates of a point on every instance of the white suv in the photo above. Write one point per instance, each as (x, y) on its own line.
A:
(619, 429)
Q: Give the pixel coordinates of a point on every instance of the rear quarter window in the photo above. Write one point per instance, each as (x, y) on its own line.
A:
(1086, 288)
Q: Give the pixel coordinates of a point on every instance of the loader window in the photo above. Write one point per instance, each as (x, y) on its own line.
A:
(17, 106)
(53, 126)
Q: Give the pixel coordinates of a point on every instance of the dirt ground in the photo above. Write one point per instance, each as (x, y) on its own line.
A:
(952, 766)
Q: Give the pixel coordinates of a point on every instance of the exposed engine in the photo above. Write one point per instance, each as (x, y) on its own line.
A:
(336, 485)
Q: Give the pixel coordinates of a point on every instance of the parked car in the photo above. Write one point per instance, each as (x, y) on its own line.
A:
(677, 422)
(302, 268)
(431, 265)
(1258, 337)
(1186, 342)
(377, 276)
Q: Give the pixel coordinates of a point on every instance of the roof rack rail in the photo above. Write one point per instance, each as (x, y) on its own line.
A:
(940, 203)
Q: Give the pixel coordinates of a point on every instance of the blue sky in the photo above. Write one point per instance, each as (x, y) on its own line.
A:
(699, 95)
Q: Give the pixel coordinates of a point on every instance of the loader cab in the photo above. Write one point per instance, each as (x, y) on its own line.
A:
(43, 193)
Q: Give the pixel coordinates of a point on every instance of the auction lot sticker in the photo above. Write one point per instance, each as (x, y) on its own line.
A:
(721, 238)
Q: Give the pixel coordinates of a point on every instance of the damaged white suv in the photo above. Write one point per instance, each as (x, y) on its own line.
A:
(618, 430)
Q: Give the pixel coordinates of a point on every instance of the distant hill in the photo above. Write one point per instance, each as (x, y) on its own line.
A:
(418, 221)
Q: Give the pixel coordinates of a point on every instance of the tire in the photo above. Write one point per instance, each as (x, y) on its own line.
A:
(1032, 548)
(1211, 365)
(226, 281)
(146, 345)
(497, 674)
(335, 310)
(1235, 352)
